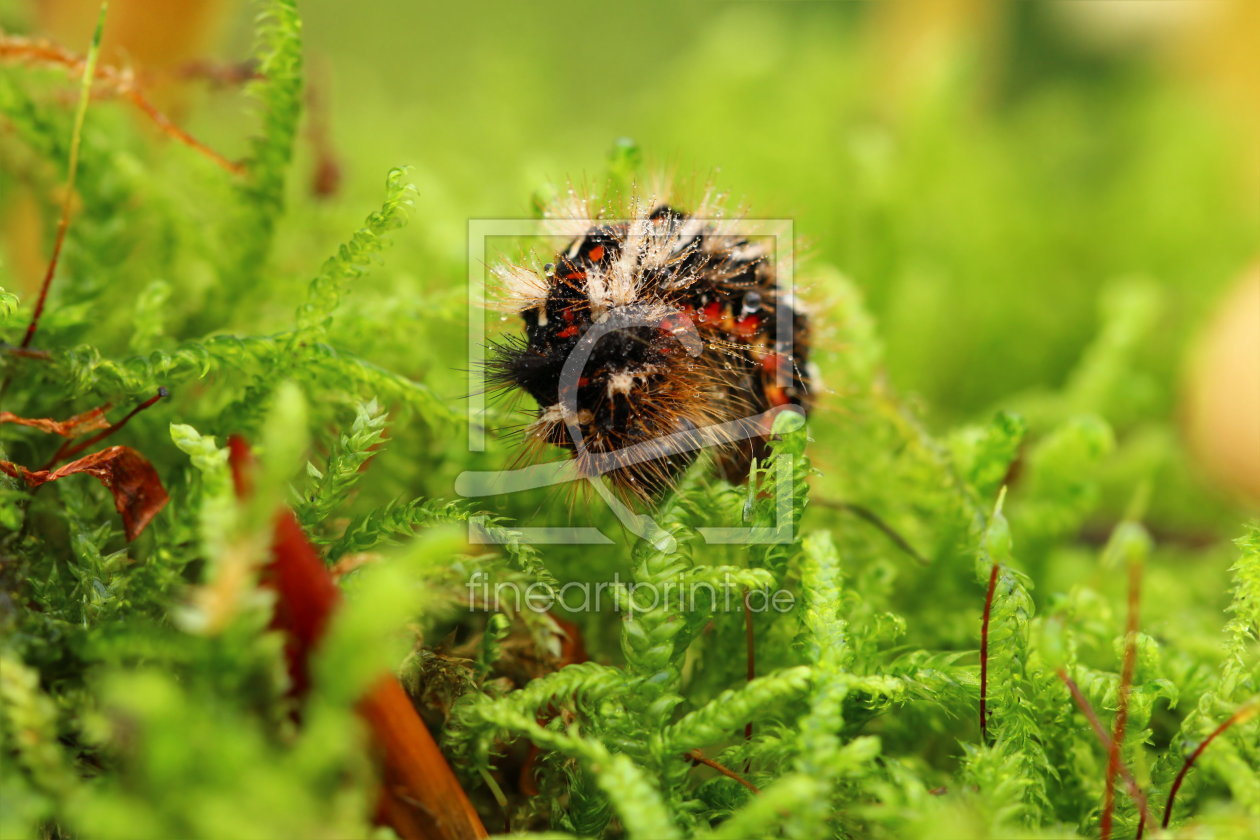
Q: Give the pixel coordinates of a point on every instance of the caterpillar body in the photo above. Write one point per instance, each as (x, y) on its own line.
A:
(650, 337)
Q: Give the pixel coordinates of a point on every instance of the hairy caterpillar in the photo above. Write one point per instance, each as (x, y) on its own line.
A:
(650, 336)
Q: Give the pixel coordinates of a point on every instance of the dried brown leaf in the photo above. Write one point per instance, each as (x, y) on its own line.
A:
(79, 424)
(128, 475)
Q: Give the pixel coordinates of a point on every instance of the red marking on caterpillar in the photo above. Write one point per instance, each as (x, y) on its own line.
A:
(747, 326)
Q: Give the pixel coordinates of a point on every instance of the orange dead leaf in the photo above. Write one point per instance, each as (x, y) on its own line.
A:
(88, 421)
(421, 799)
(138, 492)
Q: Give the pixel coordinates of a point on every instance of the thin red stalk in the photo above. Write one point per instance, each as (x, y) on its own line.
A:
(872, 518)
(63, 224)
(67, 201)
(221, 75)
(1246, 712)
(120, 81)
(28, 353)
(72, 168)
(326, 177)
(1122, 700)
(170, 129)
(699, 758)
(984, 653)
(66, 451)
(1135, 792)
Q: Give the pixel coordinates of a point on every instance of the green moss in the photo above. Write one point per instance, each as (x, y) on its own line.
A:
(142, 694)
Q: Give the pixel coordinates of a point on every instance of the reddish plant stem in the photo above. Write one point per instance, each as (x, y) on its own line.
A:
(1103, 738)
(1245, 713)
(984, 652)
(170, 129)
(221, 75)
(120, 82)
(72, 169)
(699, 758)
(63, 224)
(326, 176)
(873, 519)
(1122, 700)
(66, 451)
(26, 352)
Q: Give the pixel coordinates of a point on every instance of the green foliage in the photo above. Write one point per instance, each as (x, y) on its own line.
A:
(328, 489)
(279, 95)
(364, 639)
(1013, 773)
(1233, 757)
(1244, 623)
(352, 260)
(144, 695)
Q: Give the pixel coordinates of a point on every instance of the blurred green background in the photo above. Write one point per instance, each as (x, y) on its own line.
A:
(982, 170)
